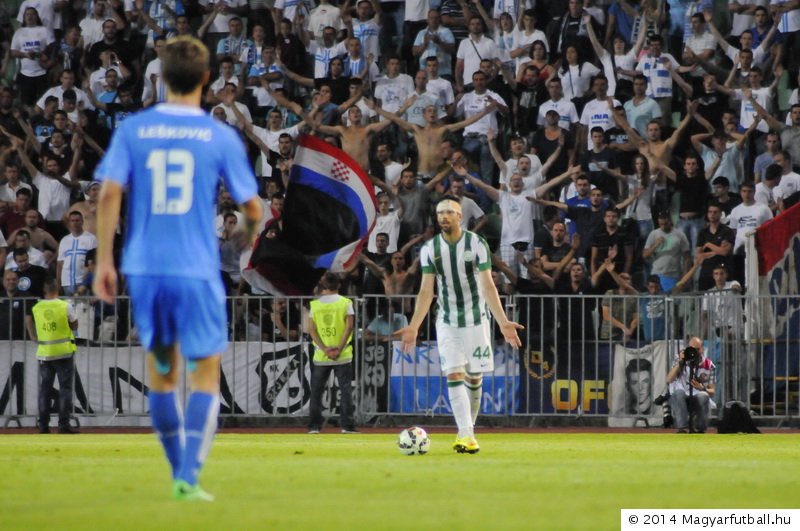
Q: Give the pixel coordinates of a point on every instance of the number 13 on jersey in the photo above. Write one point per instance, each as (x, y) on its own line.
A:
(173, 173)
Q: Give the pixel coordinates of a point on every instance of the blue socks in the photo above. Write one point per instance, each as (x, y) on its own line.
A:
(199, 426)
(168, 424)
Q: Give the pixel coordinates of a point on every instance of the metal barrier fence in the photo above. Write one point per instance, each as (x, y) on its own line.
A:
(576, 361)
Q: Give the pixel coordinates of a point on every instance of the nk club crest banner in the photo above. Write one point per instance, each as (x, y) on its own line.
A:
(329, 212)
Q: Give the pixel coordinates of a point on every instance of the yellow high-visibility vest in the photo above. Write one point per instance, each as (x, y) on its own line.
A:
(56, 340)
(330, 320)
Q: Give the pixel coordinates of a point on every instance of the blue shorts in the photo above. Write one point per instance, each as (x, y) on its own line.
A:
(185, 311)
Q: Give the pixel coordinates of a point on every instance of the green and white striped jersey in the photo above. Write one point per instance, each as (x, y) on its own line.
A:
(456, 267)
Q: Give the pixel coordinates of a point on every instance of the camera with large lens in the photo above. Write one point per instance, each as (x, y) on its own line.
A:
(691, 355)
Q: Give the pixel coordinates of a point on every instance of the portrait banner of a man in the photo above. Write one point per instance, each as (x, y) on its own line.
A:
(639, 376)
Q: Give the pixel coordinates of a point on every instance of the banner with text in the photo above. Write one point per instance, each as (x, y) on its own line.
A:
(257, 378)
(565, 378)
(418, 386)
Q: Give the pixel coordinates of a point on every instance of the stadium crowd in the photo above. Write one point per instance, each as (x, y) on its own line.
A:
(599, 146)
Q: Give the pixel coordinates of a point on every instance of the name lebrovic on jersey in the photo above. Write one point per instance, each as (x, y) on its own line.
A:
(456, 267)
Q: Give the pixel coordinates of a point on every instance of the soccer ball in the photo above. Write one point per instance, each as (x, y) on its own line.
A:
(413, 441)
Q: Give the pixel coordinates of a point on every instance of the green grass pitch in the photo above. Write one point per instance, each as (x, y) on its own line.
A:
(361, 482)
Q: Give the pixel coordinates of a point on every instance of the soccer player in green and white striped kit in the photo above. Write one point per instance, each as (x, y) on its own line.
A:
(460, 261)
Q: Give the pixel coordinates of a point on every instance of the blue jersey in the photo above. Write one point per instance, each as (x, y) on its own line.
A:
(170, 158)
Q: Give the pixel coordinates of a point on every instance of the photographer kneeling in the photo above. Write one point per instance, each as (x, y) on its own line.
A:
(692, 386)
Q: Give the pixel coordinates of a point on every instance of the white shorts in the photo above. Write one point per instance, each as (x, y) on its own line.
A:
(467, 348)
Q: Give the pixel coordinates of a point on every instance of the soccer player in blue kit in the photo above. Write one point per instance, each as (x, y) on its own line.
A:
(170, 159)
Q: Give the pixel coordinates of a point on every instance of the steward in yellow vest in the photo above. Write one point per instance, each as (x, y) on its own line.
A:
(330, 324)
(53, 322)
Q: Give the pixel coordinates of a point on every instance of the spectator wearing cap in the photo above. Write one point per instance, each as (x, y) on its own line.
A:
(714, 246)
(567, 113)
(721, 195)
(668, 250)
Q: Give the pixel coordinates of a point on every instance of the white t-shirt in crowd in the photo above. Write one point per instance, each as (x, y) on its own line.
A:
(745, 218)
(472, 52)
(390, 224)
(596, 113)
(472, 104)
(567, 114)
(33, 39)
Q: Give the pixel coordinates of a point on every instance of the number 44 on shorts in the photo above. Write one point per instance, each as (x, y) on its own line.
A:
(481, 353)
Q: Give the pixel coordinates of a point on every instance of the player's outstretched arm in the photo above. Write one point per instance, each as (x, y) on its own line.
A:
(108, 206)
(507, 327)
(408, 335)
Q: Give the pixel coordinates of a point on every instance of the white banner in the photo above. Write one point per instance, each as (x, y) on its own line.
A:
(639, 376)
(257, 378)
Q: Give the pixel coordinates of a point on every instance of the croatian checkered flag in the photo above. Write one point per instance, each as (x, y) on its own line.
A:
(329, 212)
